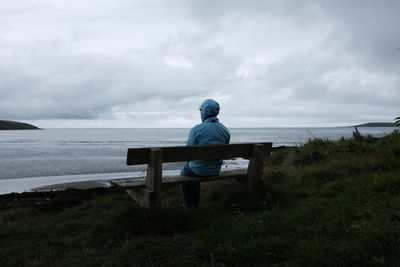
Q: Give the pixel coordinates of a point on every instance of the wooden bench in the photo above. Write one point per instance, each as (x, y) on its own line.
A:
(147, 191)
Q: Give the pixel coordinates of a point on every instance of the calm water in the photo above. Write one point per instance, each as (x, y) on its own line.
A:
(32, 160)
(54, 152)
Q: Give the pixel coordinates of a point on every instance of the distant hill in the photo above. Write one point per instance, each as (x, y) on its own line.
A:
(377, 124)
(15, 125)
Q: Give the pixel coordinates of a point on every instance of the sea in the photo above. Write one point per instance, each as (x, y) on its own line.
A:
(32, 159)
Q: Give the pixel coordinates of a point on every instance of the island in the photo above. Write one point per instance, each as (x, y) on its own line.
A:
(15, 125)
(377, 124)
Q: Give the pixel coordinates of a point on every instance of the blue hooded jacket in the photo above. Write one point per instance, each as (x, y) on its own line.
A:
(210, 132)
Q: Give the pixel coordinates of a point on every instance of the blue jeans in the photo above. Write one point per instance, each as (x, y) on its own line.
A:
(190, 192)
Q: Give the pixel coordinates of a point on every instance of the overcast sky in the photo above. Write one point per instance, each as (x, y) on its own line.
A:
(128, 63)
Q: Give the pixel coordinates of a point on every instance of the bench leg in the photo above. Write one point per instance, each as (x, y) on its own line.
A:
(150, 197)
(255, 170)
(144, 198)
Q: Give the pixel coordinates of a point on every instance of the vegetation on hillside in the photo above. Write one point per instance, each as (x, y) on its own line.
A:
(377, 124)
(15, 125)
(327, 204)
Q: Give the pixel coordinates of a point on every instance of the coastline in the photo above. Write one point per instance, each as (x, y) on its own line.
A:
(47, 158)
(62, 182)
(85, 181)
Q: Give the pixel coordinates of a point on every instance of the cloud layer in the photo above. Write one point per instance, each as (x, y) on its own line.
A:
(151, 63)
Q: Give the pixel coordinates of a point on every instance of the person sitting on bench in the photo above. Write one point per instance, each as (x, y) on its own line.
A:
(209, 132)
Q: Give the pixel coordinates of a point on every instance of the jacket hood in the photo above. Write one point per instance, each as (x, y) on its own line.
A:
(209, 108)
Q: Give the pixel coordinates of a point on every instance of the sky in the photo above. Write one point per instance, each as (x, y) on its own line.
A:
(131, 63)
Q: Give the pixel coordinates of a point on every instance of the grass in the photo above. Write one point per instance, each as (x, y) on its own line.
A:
(327, 203)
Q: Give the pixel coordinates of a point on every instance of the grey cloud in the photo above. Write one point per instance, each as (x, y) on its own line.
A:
(369, 27)
(366, 28)
(56, 83)
(293, 60)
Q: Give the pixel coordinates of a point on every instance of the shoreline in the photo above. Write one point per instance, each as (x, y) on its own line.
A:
(63, 182)
(21, 161)
(85, 181)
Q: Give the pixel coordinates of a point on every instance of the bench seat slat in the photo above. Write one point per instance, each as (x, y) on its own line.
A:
(139, 183)
(186, 153)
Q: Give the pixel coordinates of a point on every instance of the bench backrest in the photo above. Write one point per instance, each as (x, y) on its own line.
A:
(150, 196)
(137, 156)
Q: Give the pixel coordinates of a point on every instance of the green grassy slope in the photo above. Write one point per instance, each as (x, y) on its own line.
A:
(14, 125)
(327, 204)
(377, 124)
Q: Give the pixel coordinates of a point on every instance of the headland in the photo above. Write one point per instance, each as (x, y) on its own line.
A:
(15, 125)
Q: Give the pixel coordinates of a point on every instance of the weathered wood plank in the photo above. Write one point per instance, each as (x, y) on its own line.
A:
(140, 183)
(130, 182)
(137, 156)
